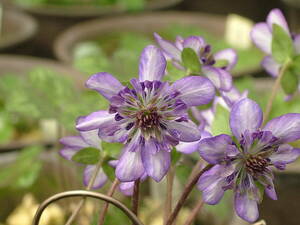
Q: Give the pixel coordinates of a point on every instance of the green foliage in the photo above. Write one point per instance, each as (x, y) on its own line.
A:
(282, 44)
(89, 156)
(220, 123)
(289, 82)
(6, 128)
(190, 60)
(24, 171)
(112, 149)
(109, 171)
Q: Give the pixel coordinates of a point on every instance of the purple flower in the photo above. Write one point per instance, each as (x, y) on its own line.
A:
(261, 35)
(245, 165)
(219, 76)
(149, 116)
(73, 144)
(206, 117)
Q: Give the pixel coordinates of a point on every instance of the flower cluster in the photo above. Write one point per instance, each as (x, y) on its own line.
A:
(151, 117)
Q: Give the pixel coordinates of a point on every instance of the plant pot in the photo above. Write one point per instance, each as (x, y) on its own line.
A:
(20, 65)
(144, 24)
(17, 31)
(55, 19)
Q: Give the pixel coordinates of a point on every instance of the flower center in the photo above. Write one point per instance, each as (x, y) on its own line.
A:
(147, 119)
(256, 165)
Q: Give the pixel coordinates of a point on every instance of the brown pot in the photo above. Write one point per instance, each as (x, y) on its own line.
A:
(55, 19)
(17, 29)
(22, 64)
(146, 23)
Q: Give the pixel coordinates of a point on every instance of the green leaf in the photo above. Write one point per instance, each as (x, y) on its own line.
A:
(220, 123)
(175, 156)
(109, 171)
(295, 64)
(112, 149)
(190, 60)
(289, 82)
(282, 44)
(87, 156)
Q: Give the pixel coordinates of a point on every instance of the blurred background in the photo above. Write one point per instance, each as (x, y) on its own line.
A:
(48, 48)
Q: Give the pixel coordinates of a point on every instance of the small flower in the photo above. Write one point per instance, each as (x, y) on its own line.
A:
(245, 165)
(149, 116)
(73, 144)
(219, 76)
(261, 35)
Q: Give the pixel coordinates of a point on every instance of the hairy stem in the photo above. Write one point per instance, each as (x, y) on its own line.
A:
(110, 193)
(135, 197)
(187, 190)
(274, 91)
(194, 213)
(168, 201)
(82, 201)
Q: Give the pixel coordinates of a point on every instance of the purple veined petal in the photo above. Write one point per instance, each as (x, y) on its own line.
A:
(105, 83)
(194, 90)
(187, 147)
(285, 154)
(195, 43)
(297, 44)
(68, 152)
(94, 120)
(91, 137)
(186, 131)
(272, 67)
(213, 74)
(266, 180)
(100, 180)
(211, 184)
(152, 64)
(73, 142)
(179, 42)
(285, 127)
(169, 48)
(233, 96)
(157, 164)
(229, 55)
(262, 37)
(130, 166)
(246, 207)
(226, 80)
(245, 115)
(214, 149)
(127, 188)
(113, 131)
(276, 17)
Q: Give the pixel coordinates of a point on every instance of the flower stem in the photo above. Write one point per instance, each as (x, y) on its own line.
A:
(275, 89)
(187, 190)
(194, 212)
(82, 201)
(135, 197)
(110, 193)
(168, 202)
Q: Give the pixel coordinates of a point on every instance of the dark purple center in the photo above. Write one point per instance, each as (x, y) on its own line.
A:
(147, 119)
(256, 165)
